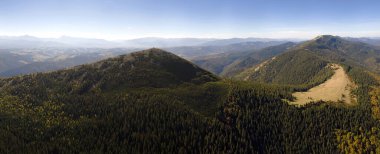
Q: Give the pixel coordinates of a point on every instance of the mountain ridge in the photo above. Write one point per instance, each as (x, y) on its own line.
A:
(322, 50)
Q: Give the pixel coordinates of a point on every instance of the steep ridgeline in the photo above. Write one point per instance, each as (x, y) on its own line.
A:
(148, 68)
(231, 63)
(306, 64)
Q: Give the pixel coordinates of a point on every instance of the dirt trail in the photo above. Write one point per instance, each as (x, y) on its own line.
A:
(337, 88)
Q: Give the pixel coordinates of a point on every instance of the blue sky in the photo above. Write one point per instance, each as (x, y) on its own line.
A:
(126, 19)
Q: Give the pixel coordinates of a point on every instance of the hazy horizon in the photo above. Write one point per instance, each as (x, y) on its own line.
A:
(131, 19)
(212, 38)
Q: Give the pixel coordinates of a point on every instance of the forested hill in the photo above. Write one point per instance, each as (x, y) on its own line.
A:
(148, 68)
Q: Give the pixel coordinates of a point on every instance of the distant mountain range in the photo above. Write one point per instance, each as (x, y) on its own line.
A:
(27, 41)
(73, 42)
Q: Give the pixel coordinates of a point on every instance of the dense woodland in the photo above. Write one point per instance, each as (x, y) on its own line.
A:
(96, 109)
(245, 117)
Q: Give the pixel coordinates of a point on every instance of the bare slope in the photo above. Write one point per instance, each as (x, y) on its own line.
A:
(337, 88)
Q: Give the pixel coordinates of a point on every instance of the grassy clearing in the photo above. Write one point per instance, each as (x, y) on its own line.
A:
(337, 88)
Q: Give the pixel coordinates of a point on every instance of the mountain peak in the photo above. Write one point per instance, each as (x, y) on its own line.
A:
(326, 42)
(147, 68)
(154, 51)
(152, 54)
(327, 38)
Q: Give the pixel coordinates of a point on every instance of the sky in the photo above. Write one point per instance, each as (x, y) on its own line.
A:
(128, 19)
